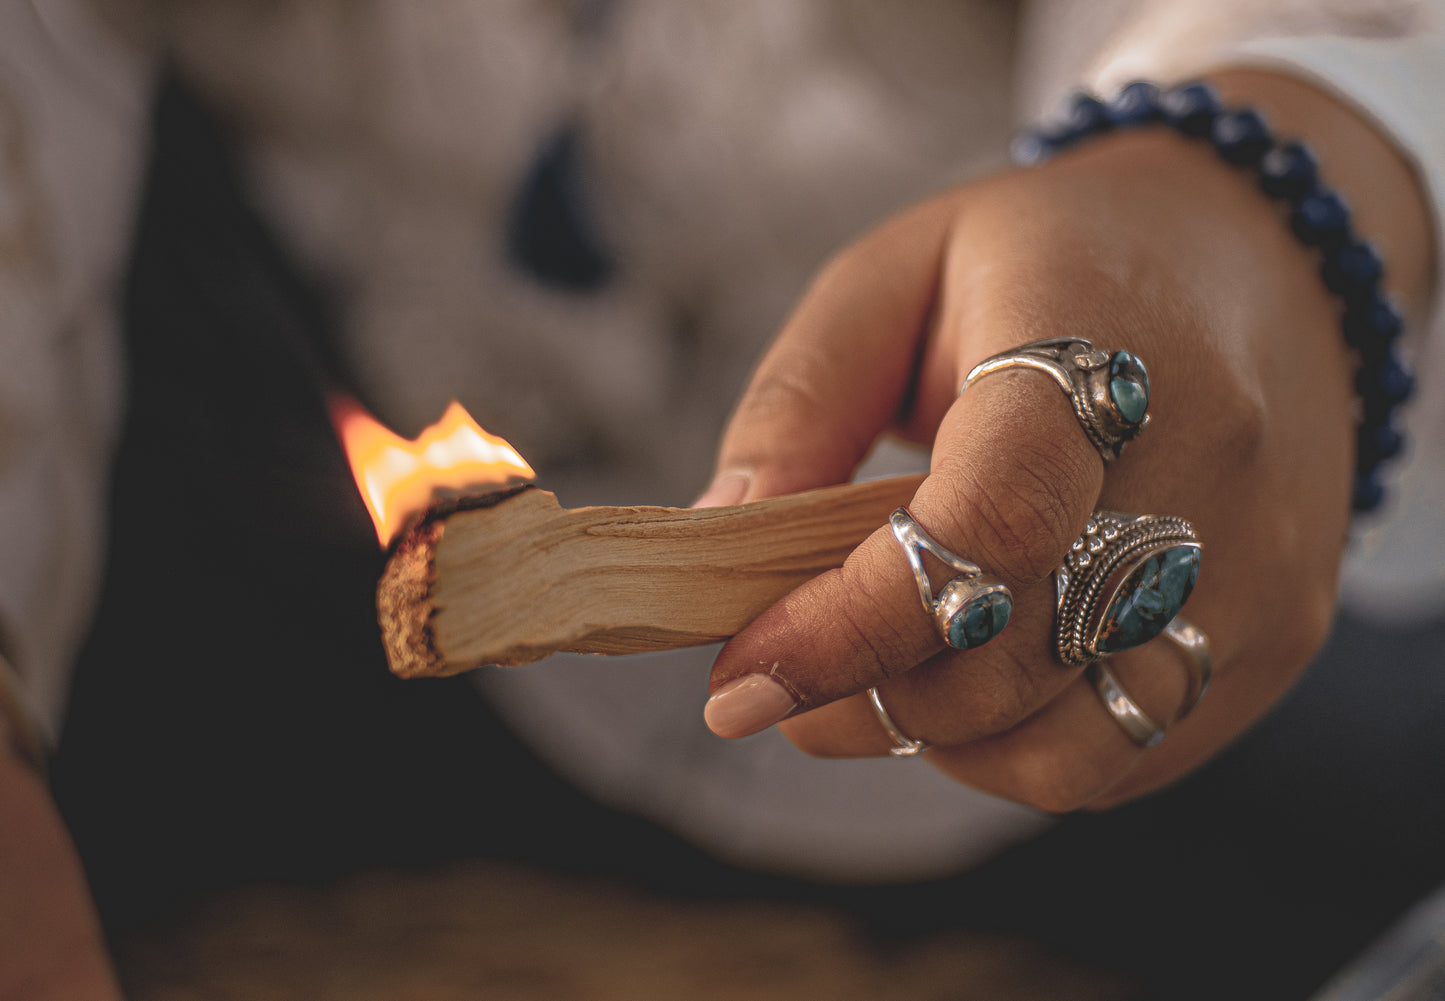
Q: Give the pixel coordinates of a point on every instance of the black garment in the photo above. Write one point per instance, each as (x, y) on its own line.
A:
(233, 719)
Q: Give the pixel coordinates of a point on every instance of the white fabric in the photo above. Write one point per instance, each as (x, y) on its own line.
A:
(73, 108)
(843, 112)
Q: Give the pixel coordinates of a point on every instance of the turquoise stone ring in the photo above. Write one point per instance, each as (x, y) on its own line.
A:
(1109, 390)
(972, 608)
(1124, 581)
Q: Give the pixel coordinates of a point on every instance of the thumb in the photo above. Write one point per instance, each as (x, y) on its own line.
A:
(839, 372)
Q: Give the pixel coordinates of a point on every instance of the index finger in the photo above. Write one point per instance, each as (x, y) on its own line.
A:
(1013, 483)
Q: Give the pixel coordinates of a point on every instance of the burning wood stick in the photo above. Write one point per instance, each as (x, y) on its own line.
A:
(512, 577)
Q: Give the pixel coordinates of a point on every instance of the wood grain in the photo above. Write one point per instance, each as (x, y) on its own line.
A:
(515, 581)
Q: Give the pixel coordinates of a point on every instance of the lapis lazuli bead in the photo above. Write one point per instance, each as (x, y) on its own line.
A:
(1136, 104)
(1321, 219)
(1289, 171)
(1081, 115)
(1367, 493)
(1149, 599)
(1378, 442)
(980, 620)
(1353, 270)
(1372, 324)
(1032, 147)
(1129, 386)
(1386, 384)
(1242, 137)
(1190, 109)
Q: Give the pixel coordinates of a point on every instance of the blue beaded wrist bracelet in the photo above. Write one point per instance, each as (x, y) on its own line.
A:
(1318, 217)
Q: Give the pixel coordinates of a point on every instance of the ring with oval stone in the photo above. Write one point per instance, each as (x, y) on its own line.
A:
(1122, 583)
(972, 607)
(1109, 390)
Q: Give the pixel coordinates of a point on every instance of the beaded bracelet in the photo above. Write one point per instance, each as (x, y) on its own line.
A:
(1318, 217)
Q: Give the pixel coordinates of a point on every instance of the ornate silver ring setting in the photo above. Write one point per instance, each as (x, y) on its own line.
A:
(1122, 583)
(1109, 390)
(972, 608)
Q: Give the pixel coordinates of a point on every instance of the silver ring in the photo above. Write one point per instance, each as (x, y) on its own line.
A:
(1126, 712)
(904, 746)
(972, 608)
(1108, 389)
(1122, 583)
(1190, 640)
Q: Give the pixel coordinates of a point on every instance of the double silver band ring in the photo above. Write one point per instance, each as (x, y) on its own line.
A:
(1122, 583)
(972, 608)
(1190, 640)
(1109, 390)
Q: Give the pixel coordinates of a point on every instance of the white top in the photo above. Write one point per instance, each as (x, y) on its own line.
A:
(364, 145)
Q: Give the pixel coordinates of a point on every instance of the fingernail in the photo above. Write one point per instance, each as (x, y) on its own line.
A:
(728, 488)
(746, 705)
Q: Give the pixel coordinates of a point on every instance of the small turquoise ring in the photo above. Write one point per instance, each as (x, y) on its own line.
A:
(972, 607)
(1109, 390)
(1124, 580)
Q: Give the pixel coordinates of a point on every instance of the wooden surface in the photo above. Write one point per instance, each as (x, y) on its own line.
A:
(511, 583)
(484, 931)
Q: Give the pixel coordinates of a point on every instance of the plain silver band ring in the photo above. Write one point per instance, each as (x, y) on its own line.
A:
(1126, 712)
(904, 746)
(1190, 640)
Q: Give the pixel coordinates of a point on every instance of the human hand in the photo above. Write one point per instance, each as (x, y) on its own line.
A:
(1142, 241)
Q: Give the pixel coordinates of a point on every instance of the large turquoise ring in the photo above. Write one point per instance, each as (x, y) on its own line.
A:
(972, 607)
(1124, 580)
(1109, 390)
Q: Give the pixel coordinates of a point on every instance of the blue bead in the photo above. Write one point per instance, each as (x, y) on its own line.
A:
(1032, 147)
(1372, 324)
(1367, 492)
(1289, 171)
(979, 621)
(1079, 116)
(1190, 109)
(1321, 219)
(1137, 104)
(1384, 384)
(1378, 442)
(1242, 137)
(1149, 599)
(1352, 270)
(1129, 386)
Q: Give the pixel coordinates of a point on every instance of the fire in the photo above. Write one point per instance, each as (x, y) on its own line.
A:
(400, 478)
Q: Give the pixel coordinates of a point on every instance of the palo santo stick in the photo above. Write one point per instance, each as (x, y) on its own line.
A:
(521, 578)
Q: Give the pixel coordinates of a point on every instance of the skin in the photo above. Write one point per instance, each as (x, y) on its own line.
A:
(1141, 240)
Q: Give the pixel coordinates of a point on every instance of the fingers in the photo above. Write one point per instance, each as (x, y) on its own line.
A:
(1014, 481)
(839, 371)
(1069, 754)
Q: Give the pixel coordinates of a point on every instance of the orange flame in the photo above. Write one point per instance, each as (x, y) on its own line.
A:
(400, 478)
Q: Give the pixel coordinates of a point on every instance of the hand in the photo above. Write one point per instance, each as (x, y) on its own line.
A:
(1143, 241)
